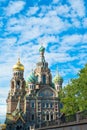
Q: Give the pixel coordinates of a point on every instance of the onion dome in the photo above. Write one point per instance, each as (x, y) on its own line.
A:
(41, 49)
(32, 78)
(18, 66)
(58, 79)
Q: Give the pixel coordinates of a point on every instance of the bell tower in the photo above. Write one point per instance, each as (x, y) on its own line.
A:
(42, 72)
(17, 88)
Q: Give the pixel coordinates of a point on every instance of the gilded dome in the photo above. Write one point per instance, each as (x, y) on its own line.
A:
(32, 78)
(18, 66)
(58, 79)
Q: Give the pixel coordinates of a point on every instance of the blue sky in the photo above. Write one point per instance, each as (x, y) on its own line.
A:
(61, 25)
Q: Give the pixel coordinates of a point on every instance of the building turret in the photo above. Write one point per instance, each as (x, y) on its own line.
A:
(18, 66)
(42, 72)
(17, 88)
(18, 69)
(18, 76)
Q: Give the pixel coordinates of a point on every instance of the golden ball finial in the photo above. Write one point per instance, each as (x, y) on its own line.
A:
(18, 66)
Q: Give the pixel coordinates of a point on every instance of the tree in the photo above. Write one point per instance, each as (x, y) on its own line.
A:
(74, 95)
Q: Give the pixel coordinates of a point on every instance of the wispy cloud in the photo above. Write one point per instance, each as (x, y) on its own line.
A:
(32, 11)
(14, 7)
(78, 7)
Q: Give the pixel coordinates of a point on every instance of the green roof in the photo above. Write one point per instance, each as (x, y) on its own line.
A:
(42, 49)
(57, 79)
(31, 78)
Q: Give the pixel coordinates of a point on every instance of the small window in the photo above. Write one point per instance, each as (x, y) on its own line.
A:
(47, 105)
(51, 105)
(18, 84)
(51, 116)
(44, 79)
(32, 117)
(47, 117)
(31, 86)
(43, 105)
(32, 105)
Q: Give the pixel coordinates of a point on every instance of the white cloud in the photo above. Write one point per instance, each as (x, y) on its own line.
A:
(14, 7)
(32, 10)
(85, 22)
(76, 23)
(3, 96)
(72, 39)
(62, 10)
(2, 110)
(56, 1)
(59, 57)
(34, 27)
(48, 39)
(78, 7)
(28, 35)
(8, 41)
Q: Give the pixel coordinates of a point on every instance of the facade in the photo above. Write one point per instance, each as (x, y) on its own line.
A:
(34, 101)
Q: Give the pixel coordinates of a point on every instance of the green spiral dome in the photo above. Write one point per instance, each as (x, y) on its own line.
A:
(31, 78)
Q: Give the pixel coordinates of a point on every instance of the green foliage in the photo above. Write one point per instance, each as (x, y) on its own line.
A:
(74, 95)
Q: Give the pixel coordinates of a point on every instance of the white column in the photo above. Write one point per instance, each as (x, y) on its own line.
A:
(49, 116)
(45, 117)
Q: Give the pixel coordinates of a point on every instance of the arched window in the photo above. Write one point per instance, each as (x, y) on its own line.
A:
(44, 79)
(18, 84)
(51, 105)
(50, 79)
(43, 104)
(47, 116)
(19, 128)
(47, 105)
(32, 117)
(51, 116)
(32, 104)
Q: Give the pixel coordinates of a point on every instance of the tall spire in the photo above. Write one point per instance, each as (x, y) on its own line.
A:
(42, 50)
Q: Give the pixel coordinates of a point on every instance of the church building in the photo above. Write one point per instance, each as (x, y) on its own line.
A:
(34, 101)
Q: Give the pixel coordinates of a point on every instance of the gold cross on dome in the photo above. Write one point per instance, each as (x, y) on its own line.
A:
(18, 56)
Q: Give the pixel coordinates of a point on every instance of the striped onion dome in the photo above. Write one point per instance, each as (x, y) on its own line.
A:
(31, 78)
